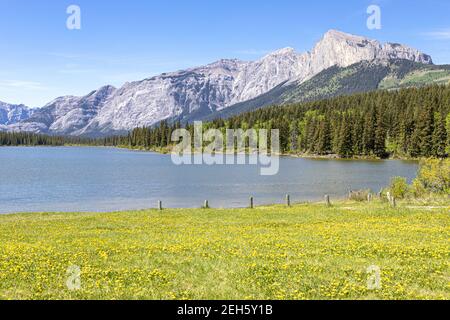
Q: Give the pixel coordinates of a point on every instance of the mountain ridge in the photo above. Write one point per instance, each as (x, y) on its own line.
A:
(13, 113)
(204, 90)
(361, 77)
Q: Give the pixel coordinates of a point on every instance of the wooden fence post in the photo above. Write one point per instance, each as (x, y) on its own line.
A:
(369, 197)
(206, 206)
(327, 200)
(288, 200)
(160, 205)
(251, 203)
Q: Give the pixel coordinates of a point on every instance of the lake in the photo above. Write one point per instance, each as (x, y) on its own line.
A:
(76, 179)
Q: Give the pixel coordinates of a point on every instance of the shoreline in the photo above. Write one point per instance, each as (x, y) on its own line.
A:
(163, 151)
(432, 203)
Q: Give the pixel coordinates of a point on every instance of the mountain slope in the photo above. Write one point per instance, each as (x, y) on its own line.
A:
(11, 113)
(200, 92)
(361, 77)
(66, 115)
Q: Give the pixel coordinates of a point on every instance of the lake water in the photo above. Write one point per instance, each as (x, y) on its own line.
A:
(108, 179)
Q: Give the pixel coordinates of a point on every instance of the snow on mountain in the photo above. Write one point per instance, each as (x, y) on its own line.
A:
(205, 89)
(11, 113)
(66, 115)
(143, 103)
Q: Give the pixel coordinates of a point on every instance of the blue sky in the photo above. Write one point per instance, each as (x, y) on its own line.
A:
(122, 41)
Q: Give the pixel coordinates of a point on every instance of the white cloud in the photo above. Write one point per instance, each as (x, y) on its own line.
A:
(66, 55)
(19, 84)
(443, 34)
(252, 52)
(75, 71)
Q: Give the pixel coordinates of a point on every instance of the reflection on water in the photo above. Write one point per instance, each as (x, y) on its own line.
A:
(107, 179)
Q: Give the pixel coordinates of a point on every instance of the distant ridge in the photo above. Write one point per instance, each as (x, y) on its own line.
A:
(336, 81)
(200, 92)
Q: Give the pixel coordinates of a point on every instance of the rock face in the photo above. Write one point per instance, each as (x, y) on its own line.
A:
(341, 49)
(147, 102)
(11, 113)
(204, 90)
(364, 76)
(66, 115)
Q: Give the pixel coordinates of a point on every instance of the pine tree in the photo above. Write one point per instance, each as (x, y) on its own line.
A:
(368, 138)
(380, 137)
(345, 143)
(357, 135)
(426, 129)
(448, 132)
(324, 140)
(439, 139)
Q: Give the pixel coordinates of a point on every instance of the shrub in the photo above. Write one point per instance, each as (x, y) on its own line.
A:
(361, 195)
(399, 187)
(417, 189)
(434, 176)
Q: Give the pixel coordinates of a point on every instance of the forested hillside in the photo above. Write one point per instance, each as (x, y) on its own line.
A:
(411, 122)
(405, 123)
(337, 81)
(31, 139)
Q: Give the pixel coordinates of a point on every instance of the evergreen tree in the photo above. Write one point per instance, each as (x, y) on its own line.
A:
(368, 138)
(439, 139)
(426, 129)
(371, 124)
(380, 137)
(345, 143)
(324, 140)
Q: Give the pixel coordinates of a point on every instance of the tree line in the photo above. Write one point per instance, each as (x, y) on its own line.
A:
(412, 122)
(33, 139)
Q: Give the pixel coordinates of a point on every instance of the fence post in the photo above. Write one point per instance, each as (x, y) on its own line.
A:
(160, 205)
(288, 200)
(327, 200)
(251, 203)
(394, 202)
(369, 197)
(206, 204)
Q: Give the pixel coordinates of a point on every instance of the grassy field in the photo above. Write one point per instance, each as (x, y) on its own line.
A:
(305, 252)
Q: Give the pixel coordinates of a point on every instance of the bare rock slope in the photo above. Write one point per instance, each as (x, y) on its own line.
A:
(204, 90)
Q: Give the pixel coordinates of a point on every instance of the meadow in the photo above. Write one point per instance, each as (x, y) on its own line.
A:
(308, 251)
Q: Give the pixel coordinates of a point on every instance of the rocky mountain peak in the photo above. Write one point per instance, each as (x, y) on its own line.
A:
(206, 89)
(12, 113)
(282, 52)
(342, 36)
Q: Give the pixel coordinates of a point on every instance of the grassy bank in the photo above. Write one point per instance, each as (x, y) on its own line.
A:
(305, 252)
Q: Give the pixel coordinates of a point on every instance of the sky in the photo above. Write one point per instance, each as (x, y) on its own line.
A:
(121, 41)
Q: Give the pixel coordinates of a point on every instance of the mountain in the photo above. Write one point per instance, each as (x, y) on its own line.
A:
(66, 115)
(335, 81)
(200, 92)
(12, 113)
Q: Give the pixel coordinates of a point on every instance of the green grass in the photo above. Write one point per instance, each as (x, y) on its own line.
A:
(305, 252)
(417, 78)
